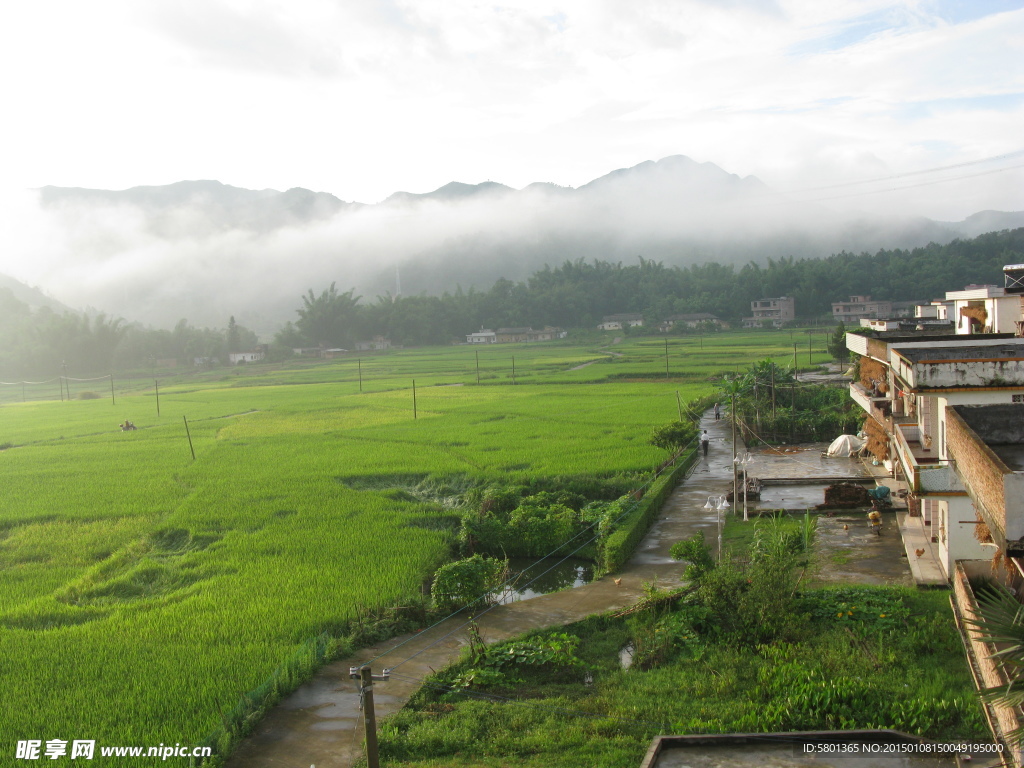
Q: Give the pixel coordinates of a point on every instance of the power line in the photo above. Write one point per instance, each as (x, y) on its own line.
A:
(937, 169)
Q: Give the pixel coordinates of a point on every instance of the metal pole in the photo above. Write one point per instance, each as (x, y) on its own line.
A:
(745, 517)
(735, 481)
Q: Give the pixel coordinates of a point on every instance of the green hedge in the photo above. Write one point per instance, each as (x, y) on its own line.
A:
(624, 540)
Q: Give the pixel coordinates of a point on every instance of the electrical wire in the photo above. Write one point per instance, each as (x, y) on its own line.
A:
(937, 169)
(22, 383)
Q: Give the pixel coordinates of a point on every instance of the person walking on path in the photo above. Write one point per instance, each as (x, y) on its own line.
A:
(718, 412)
(705, 439)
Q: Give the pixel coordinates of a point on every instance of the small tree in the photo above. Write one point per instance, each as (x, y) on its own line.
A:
(674, 436)
(837, 344)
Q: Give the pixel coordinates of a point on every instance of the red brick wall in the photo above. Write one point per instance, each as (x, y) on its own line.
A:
(978, 467)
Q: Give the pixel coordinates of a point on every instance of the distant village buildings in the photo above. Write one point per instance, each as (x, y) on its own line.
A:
(515, 335)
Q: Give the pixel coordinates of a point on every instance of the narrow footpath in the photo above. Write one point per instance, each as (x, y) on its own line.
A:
(320, 723)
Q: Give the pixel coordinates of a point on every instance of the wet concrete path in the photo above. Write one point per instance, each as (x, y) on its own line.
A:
(320, 723)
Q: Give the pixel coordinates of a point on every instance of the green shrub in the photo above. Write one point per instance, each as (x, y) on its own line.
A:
(459, 584)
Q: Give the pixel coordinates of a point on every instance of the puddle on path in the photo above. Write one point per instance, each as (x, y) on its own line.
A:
(541, 577)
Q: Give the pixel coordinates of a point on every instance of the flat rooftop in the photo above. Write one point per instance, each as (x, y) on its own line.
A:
(1001, 427)
(1011, 455)
(963, 352)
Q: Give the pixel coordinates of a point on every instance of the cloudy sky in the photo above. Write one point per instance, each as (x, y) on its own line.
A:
(361, 98)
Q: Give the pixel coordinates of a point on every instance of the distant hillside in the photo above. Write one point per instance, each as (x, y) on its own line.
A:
(203, 249)
(33, 298)
(189, 208)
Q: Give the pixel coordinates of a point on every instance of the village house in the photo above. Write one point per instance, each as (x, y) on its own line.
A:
(515, 335)
(984, 309)
(618, 322)
(483, 336)
(376, 343)
(775, 312)
(859, 307)
(690, 321)
(235, 358)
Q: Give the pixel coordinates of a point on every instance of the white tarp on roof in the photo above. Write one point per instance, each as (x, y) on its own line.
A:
(845, 445)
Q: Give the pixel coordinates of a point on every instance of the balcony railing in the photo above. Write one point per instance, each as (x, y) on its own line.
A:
(918, 459)
(880, 408)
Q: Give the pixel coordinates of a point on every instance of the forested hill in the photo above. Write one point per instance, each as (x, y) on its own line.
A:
(579, 293)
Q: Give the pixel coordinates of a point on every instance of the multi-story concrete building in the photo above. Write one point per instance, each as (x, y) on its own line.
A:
(984, 309)
(775, 312)
(907, 384)
(860, 307)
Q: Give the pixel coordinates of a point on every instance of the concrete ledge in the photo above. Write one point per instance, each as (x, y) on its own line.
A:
(925, 569)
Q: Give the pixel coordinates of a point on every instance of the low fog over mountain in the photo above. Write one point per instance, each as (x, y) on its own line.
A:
(204, 250)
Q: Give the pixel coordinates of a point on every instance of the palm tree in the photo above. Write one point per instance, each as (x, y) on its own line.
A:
(1001, 621)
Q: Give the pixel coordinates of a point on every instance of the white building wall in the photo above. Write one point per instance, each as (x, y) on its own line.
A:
(955, 530)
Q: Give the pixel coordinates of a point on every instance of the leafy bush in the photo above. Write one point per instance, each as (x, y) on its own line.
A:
(696, 554)
(459, 584)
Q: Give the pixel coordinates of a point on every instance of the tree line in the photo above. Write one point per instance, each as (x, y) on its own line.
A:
(576, 294)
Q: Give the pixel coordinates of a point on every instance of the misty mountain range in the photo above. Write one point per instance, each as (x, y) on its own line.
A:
(205, 250)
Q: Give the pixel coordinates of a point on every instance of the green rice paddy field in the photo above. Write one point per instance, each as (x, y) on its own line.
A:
(142, 592)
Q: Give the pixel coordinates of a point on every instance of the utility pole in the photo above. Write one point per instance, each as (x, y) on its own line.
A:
(735, 480)
(513, 370)
(112, 390)
(189, 434)
(477, 352)
(366, 679)
(794, 360)
(156, 385)
(666, 358)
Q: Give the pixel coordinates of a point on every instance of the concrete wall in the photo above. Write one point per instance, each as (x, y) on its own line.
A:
(955, 528)
(963, 373)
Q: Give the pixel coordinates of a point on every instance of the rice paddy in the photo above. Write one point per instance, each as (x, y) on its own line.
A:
(142, 592)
